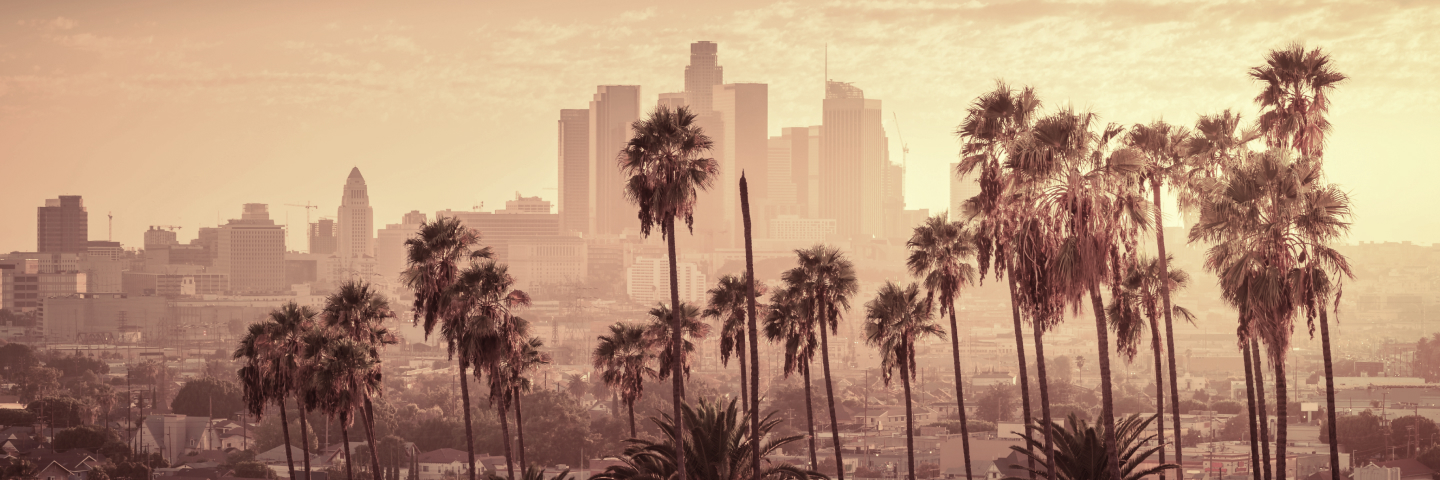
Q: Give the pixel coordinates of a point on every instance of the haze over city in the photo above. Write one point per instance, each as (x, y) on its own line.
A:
(823, 240)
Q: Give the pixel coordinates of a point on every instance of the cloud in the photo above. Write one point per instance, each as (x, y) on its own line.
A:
(57, 23)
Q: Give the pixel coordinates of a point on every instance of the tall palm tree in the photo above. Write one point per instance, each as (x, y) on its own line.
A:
(344, 375)
(895, 321)
(728, 302)
(658, 334)
(359, 311)
(1164, 150)
(492, 336)
(666, 166)
(788, 321)
(434, 258)
(1138, 302)
(753, 326)
(272, 352)
(517, 370)
(829, 280)
(938, 250)
(625, 360)
(1294, 103)
(992, 124)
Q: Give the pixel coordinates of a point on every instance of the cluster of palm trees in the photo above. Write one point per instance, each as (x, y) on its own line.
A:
(327, 361)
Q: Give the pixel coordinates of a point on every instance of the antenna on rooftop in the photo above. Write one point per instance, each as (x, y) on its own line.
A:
(110, 231)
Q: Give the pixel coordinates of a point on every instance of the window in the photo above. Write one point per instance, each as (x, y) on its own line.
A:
(425, 468)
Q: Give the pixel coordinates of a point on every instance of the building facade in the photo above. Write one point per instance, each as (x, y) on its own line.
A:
(62, 225)
(251, 252)
(355, 220)
(574, 168)
(852, 161)
(647, 281)
(612, 111)
(390, 253)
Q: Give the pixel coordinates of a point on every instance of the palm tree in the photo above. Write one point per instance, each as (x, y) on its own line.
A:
(625, 360)
(491, 338)
(658, 334)
(938, 250)
(1138, 302)
(1164, 149)
(666, 166)
(1294, 104)
(829, 280)
(992, 123)
(433, 264)
(894, 322)
(529, 358)
(359, 311)
(1081, 454)
(272, 353)
(753, 328)
(728, 302)
(788, 320)
(724, 448)
(345, 373)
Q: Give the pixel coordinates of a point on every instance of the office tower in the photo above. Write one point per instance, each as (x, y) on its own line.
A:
(62, 225)
(390, 253)
(853, 157)
(744, 112)
(574, 191)
(322, 237)
(523, 217)
(671, 101)
(703, 73)
(893, 201)
(778, 174)
(355, 237)
(795, 171)
(157, 237)
(613, 110)
(961, 189)
(251, 250)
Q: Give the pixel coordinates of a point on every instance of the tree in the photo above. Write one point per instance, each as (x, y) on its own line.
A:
(723, 450)
(37, 382)
(345, 372)
(665, 167)
(252, 469)
(657, 333)
(1080, 448)
(90, 437)
(938, 250)
(76, 365)
(625, 360)
(59, 412)
(996, 404)
(895, 321)
(727, 304)
(752, 326)
(205, 396)
(1427, 358)
(560, 425)
(493, 339)
(790, 322)
(828, 279)
(359, 311)
(512, 377)
(16, 358)
(272, 355)
(1362, 434)
(433, 264)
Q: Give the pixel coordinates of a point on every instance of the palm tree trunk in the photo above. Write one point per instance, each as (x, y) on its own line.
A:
(909, 419)
(505, 438)
(1169, 329)
(1159, 391)
(465, 406)
(959, 388)
(304, 437)
(676, 348)
(830, 397)
(345, 437)
(1260, 407)
(744, 389)
(1329, 394)
(369, 414)
(630, 405)
(1250, 398)
(1281, 419)
(754, 332)
(810, 418)
(285, 429)
(1024, 378)
(1107, 397)
(520, 430)
(1044, 384)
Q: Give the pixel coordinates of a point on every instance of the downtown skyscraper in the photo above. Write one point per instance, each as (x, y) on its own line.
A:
(853, 161)
(62, 225)
(574, 168)
(743, 110)
(612, 111)
(355, 220)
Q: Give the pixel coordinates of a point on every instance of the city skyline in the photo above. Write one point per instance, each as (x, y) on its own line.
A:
(371, 104)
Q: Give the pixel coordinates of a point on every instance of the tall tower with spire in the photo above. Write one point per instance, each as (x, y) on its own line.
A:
(355, 220)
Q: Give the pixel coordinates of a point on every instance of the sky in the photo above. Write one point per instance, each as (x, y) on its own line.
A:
(179, 112)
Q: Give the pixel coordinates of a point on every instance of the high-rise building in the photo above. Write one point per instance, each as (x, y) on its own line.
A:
(355, 237)
(852, 162)
(521, 218)
(251, 250)
(794, 171)
(62, 225)
(390, 244)
(322, 237)
(703, 73)
(961, 189)
(157, 237)
(744, 114)
(574, 191)
(671, 101)
(614, 109)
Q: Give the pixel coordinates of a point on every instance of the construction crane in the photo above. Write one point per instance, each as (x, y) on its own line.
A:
(308, 207)
(904, 147)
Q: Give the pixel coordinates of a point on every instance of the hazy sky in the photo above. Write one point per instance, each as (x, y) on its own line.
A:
(179, 112)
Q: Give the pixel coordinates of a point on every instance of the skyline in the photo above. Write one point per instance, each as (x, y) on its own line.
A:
(136, 108)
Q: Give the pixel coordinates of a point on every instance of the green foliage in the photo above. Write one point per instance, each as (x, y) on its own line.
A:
(1230, 407)
(206, 395)
(1427, 358)
(1191, 406)
(1424, 429)
(76, 365)
(1065, 410)
(1361, 434)
(128, 471)
(90, 437)
(1080, 448)
(16, 358)
(59, 411)
(953, 426)
(11, 417)
(556, 423)
(1431, 458)
(997, 403)
(37, 382)
(268, 435)
(1237, 428)
(253, 469)
(115, 450)
(1125, 405)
